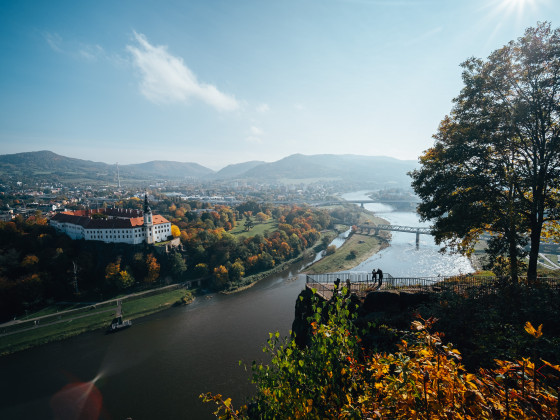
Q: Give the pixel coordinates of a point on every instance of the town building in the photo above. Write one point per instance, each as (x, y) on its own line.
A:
(114, 225)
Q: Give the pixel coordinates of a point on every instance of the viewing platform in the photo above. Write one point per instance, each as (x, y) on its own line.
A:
(362, 283)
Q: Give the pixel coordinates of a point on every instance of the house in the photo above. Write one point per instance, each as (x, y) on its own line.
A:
(114, 225)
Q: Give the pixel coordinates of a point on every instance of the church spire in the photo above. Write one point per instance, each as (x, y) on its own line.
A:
(146, 206)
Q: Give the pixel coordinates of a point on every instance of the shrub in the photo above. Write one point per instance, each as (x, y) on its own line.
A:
(333, 377)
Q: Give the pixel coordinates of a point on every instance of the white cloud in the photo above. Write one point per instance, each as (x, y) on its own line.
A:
(263, 108)
(54, 41)
(91, 52)
(74, 49)
(256, 131)
(166, 78)
(255, 134)
(299, 107)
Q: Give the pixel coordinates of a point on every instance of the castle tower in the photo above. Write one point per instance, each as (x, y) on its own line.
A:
(148, 222)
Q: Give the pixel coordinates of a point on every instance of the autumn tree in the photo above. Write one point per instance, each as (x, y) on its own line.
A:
(220, 275)
(495, 165)
(237, 271)
(262, 217)
(120, 278)
(152, 267)
(201, 270)
(335, 377)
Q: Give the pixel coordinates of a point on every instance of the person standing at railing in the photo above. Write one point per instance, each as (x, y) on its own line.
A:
(380, 273)
(336, 286)
(348, 285)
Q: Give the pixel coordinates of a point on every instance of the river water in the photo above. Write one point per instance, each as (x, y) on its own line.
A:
(402, 258)
(157, 368)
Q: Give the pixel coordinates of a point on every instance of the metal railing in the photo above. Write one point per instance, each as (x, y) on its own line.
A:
(362, 282)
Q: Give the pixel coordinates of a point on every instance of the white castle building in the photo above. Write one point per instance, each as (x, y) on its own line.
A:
(114, 225)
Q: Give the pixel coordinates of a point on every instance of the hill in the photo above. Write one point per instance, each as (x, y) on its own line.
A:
(56, 168)
(344, 168)
(236, 170)
(367, 171)
(169, 169)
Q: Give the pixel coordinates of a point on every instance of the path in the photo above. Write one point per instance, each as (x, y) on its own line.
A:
(38, 322)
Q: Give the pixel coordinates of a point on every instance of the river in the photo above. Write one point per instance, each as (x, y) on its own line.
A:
(402, 258)
(157, 368)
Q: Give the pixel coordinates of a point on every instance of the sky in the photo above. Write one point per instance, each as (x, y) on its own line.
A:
(223, 82)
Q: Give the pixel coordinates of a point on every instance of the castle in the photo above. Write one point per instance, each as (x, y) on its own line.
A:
(114, 225)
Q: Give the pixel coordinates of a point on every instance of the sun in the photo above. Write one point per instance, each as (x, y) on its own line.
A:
(518, 5)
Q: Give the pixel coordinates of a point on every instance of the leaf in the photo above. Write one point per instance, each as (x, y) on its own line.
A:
(531, 330)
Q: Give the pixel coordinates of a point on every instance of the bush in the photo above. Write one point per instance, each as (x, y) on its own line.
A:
(330, 250)
(334, 377)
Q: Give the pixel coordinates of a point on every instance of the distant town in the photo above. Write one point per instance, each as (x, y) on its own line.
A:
(20, 198)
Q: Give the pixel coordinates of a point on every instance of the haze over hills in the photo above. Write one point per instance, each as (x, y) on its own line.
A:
(46, 165)
(237, 169)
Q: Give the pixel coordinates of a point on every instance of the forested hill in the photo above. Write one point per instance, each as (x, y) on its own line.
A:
(46, 165)
(49, 166)
(379, 169)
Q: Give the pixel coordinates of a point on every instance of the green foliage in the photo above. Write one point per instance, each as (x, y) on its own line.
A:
(267, 245)
(490, 325)
(333, 377)
(178, 265)
(352, 255)
(495, 164)
(38, 265)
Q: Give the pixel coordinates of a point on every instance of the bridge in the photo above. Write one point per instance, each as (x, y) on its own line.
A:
(362, 202)
(396, 228)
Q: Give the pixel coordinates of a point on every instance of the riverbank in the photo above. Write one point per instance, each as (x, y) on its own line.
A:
(355, 250)
(59, 326)
(250, 281)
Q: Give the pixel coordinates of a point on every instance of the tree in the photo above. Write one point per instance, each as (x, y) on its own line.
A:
(123, 279)
(220, 275)
(178, 265)
(333, 377)
(152, 267)
(495, 165)
(237, 271)
(175, 231)
(201, 270)
(262, 217)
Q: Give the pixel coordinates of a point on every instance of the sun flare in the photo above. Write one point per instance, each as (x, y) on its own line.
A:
(517, 4)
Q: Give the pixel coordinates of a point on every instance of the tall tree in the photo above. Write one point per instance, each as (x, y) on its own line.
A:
(495, 165)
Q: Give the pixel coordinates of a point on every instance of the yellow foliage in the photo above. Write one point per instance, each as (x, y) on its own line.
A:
(531, 330)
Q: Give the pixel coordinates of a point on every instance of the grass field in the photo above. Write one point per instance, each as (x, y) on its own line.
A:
(258, 229)
(363, 245)
(74, 323)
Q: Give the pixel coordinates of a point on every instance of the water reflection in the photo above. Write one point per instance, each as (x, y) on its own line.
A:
(402, 259)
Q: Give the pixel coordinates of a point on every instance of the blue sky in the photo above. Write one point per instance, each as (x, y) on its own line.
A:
(220, 82)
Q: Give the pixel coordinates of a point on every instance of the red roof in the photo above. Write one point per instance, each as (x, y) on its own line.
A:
(89, 223)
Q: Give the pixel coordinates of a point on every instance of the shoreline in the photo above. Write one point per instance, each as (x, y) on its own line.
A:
(339, 262)
(364, 247)
(83, 321)
(73, 325)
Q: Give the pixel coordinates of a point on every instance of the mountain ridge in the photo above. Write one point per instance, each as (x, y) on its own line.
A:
(346, 167)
